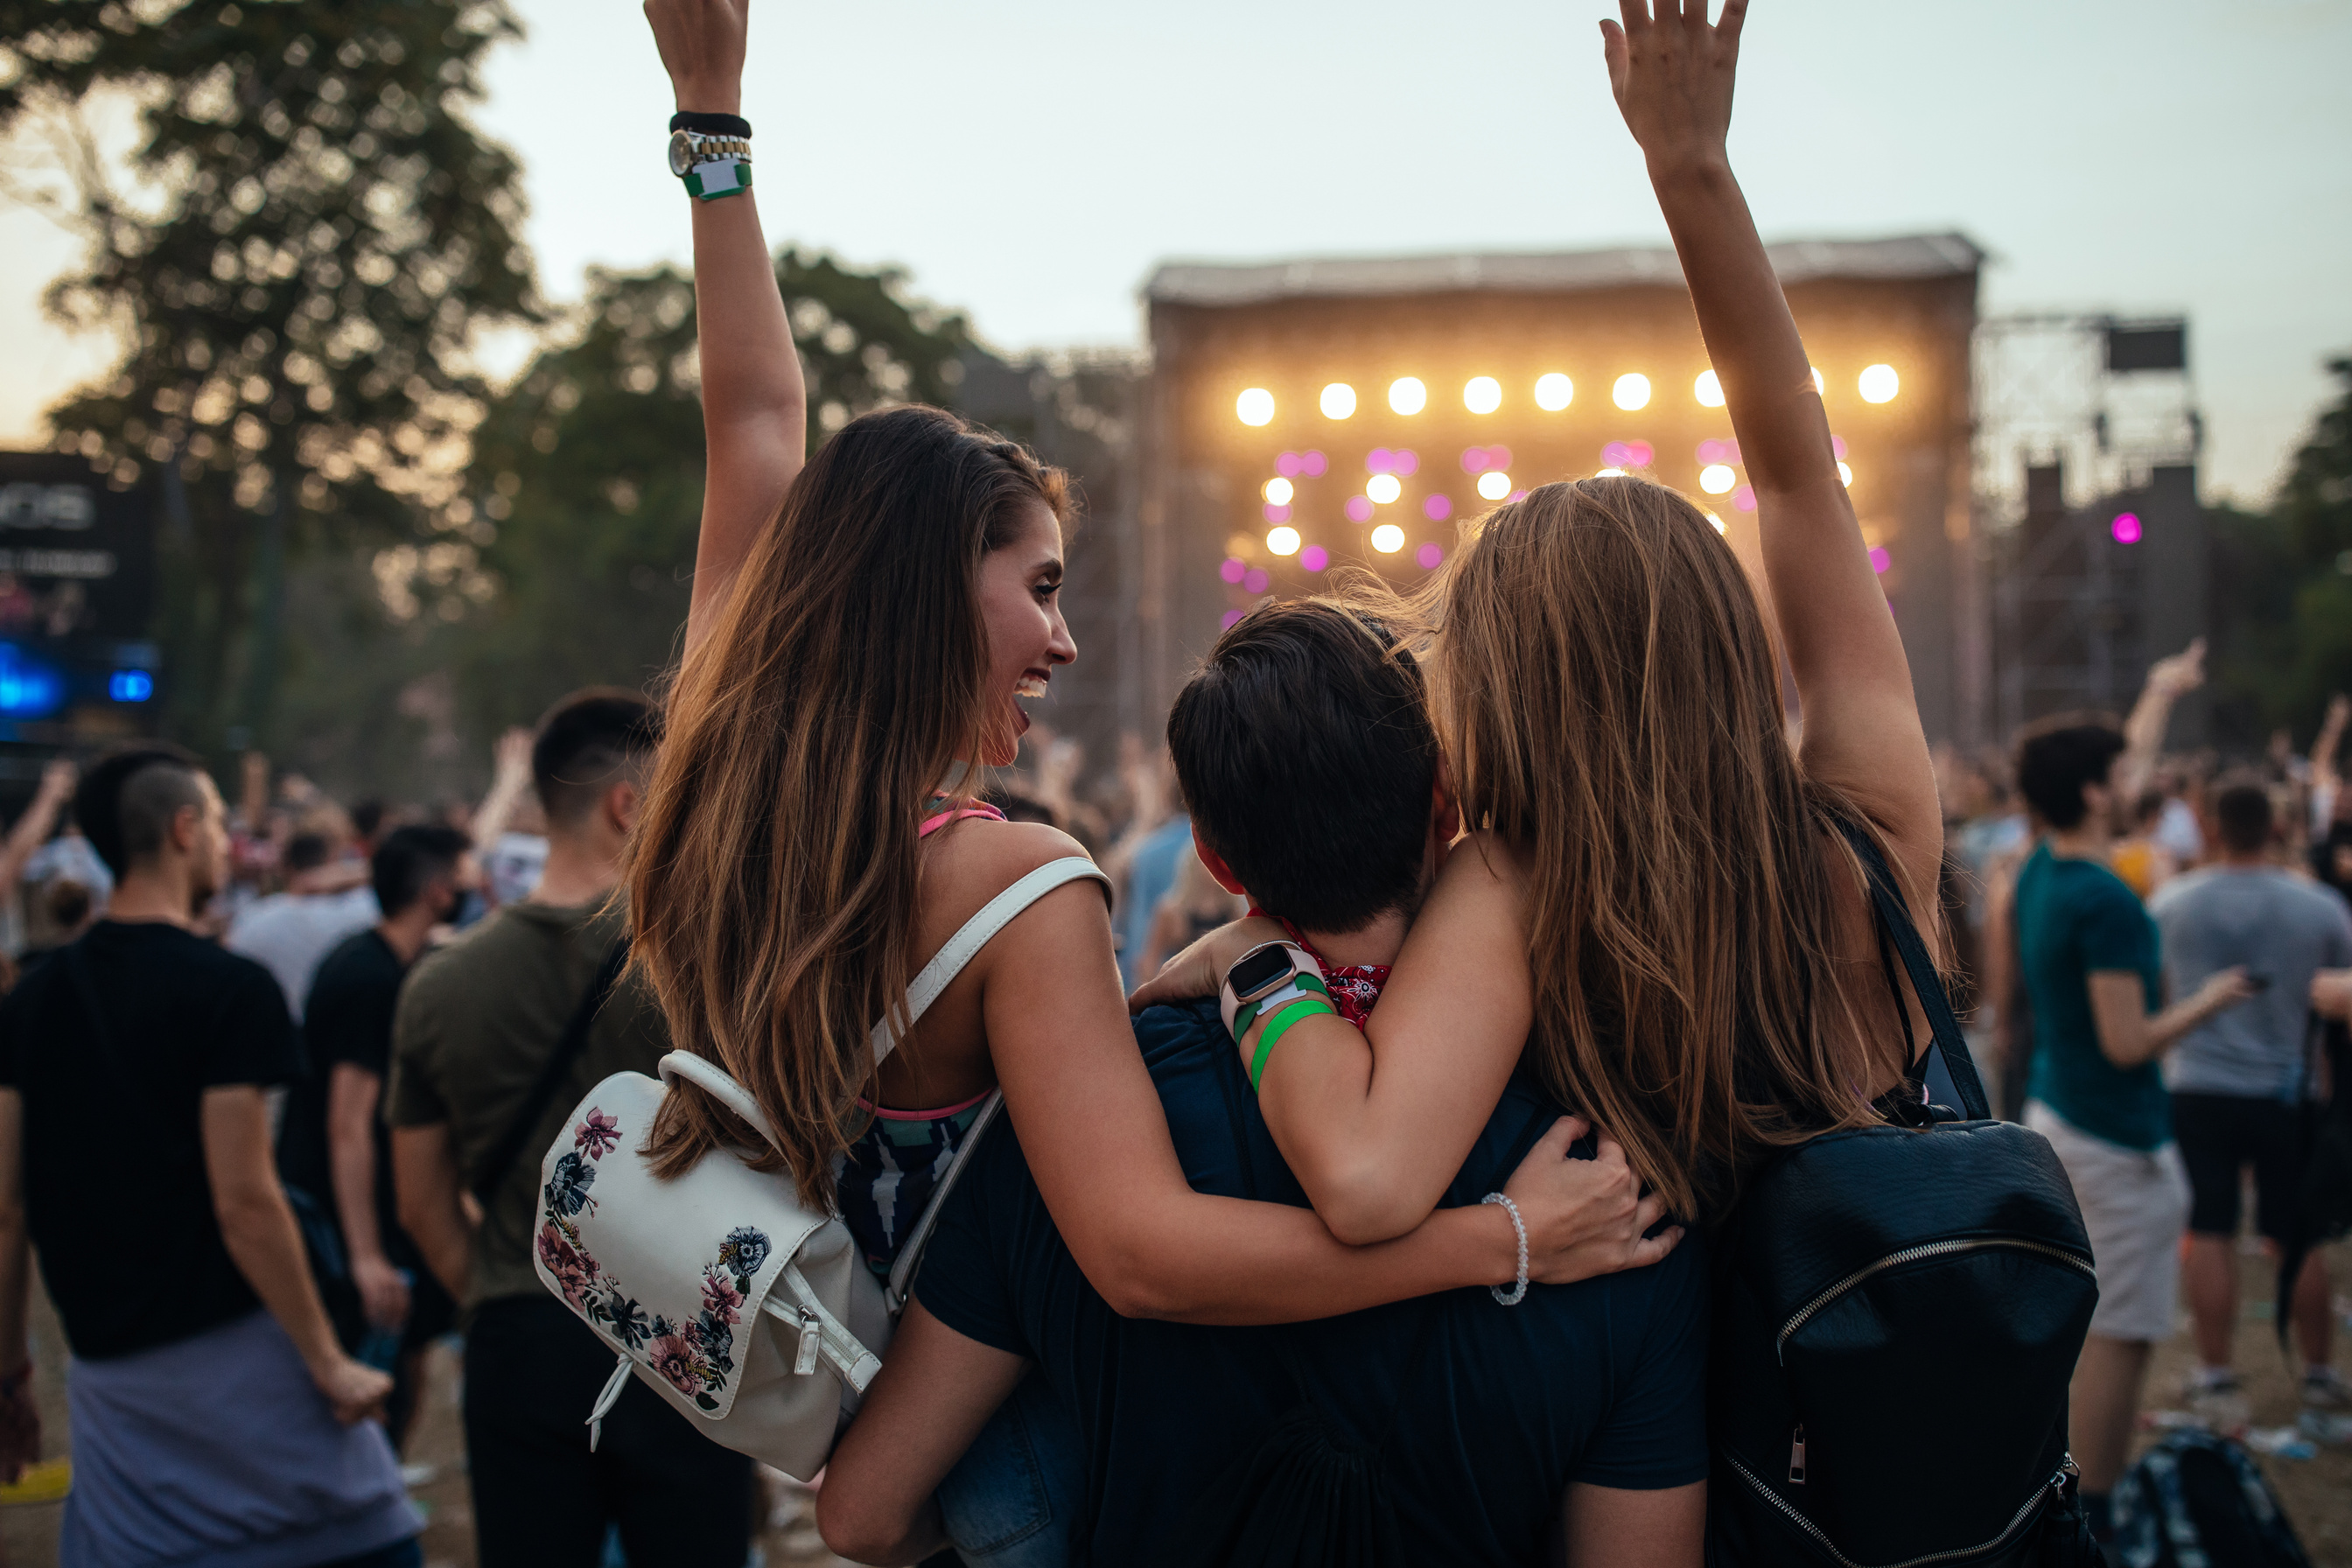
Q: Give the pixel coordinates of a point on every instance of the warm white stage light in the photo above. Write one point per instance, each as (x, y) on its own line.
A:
(1718, 522)
(1631, 391)
(1845, 476)
(1339, 400)
(1609, 473)
(1279, 492)
(1821, 383)
(1879, 384)
(1254, 407)
(1717, 479)
(1482, 394)
(1382, 489)
(1554, 392)
(1494, 484)
(1707, 390)
(1388, 539)
(1282, 541)
(1407, 395)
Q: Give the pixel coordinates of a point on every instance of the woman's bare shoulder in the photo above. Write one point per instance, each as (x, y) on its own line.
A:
(967, 863)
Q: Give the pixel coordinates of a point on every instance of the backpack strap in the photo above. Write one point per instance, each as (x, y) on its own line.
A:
(910, 1256)
(492, 1171)
(1950, 1048)
(994, 917)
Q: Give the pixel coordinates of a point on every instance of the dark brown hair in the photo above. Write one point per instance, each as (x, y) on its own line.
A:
(1610, 692)
(773, 882)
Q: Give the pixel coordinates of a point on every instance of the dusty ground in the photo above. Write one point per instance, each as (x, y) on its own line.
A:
(2317, 1492)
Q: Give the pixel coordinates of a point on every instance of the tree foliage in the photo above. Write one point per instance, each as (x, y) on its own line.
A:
(309, 238)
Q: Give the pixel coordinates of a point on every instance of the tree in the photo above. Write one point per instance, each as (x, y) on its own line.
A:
(309, 238)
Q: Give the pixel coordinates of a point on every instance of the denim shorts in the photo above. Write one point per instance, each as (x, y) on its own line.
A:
(1013, 1501)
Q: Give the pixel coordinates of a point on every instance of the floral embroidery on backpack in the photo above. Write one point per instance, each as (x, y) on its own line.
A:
(695, 1358)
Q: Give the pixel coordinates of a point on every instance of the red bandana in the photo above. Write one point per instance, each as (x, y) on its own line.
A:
(1355, 987)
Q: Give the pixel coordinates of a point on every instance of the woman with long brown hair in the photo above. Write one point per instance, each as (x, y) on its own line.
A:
(1655, 900)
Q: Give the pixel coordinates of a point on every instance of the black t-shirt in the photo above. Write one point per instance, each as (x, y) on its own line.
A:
(346, 1018)
(1473, 1417)
(120, 1202)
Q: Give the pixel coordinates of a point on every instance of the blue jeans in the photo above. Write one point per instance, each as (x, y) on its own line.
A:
(1013, 1499)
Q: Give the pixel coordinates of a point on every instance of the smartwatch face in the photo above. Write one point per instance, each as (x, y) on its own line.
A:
(1259, 972)
(681, 153)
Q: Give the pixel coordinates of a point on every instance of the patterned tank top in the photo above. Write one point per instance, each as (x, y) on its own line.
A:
(892, 1168)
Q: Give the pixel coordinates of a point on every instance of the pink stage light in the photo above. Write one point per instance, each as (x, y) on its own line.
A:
(1257, 582)
(1744, 498)
(1313, 464)
(1474, 460)
(1837, 448)
(1519, 495)
(1404, 462)
(1710, 452)
(1315, 558)
(1641, 452)
(2126, 528)
(1430, 556)
(1230, 618)
(1275, 513)
(1437, 508)
(1287, 465)
(1879, 559)
(1379, 460)
(1359, 508)
(1617, 455)
(1234, 570)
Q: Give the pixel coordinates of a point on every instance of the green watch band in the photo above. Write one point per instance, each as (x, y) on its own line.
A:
(1279, 1025)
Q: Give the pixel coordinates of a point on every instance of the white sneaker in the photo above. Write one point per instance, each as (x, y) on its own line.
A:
(2218, 1401)
(2326, 1390)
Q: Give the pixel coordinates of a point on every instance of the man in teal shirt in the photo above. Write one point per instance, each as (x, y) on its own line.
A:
(2094, 978)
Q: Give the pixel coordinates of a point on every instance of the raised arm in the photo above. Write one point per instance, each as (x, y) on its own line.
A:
(754, 403)
(1672, 74)
(2168, 680)
(2331, 738)
(40, 819)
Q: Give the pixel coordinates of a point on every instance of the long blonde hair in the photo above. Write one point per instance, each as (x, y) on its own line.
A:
(1610, 694)
(772, 881)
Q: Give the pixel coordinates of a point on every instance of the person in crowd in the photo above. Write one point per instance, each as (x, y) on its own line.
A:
(510, 826)
(1311, 767)
(334, 1149)
(2144, 864)
(1197, 905)
(2088, 955)
(2238, 1081)
(30, 832)
(472, 1105)
(288, 933)
(1153, 865)
(864, 625)
(64, 910)
(2329, 800)
(214, 1416)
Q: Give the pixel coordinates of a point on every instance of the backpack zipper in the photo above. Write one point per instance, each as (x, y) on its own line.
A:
(1913, 1255)
(2017, 1522)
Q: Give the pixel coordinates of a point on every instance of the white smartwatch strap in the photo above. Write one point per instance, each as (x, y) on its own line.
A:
(1302, 962)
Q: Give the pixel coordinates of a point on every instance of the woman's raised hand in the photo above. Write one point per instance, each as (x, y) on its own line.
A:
(1584, 1217)
(701, 43)
(1672, 75)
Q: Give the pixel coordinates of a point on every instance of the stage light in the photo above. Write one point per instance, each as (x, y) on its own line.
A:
(1275, 513)
(1379, 460)
(1494, 484)
(1437, 508)
(1430, 557)
(131, 686)
(1744, 498)
(1717, 479)
(1229, 619)
(2126, 528)
(1382, 489)
(1631, 391)
(1622, 455)
(1404, 462)
(1256, 581)
(1554, 392)
(1315, 558)
(1482, 394)
(1287, 465)
(1718, 524)
(1609, 473)
(1879, 559)
(1879, 384)
(1278, 492)
(1234, 570)
(1845, 476)
(1837, 446)
(1339, 400)
(1407, 395)
(1388, 539)
(1282, 541)
(1312, 464)
(1254, 407)
(1707, 390)
(1358, 509)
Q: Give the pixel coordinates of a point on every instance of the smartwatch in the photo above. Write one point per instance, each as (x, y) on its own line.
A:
(1264, 972)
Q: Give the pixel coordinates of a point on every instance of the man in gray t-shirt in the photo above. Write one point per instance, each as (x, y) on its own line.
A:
(2238, 1078)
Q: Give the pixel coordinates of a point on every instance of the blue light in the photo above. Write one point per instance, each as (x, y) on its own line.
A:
(131, 686)
(29, 690)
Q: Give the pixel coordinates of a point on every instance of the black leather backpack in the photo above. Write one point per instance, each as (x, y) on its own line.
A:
(1897, 1312)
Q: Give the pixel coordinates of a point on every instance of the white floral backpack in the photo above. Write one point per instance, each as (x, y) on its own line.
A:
(750, 1312)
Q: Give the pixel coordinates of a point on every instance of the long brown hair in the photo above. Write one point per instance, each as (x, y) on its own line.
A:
(1610, 693)
(772, 881)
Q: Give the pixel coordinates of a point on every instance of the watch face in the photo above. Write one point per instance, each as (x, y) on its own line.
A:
(681, 153)
(1258, 972)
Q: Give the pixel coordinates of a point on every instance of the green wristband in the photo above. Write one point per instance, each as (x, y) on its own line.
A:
(1279, 1025)
(1248, 1015)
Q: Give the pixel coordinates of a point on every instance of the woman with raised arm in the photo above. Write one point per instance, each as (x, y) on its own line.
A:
(1661, 904)
(864, 625)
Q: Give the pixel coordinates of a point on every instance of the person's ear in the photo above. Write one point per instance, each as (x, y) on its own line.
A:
(620, 803)
(1221, 873)
(187, 829)
(1445, 811)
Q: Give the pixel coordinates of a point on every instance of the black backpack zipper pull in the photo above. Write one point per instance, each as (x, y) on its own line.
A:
(1796, 1457)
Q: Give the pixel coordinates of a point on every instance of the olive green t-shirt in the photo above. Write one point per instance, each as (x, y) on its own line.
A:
(475, 1023)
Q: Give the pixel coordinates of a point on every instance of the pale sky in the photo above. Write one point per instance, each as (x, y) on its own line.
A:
(1030, 162)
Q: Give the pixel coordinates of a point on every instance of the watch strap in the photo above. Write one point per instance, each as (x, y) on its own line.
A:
(705, 124)
(1301, 963)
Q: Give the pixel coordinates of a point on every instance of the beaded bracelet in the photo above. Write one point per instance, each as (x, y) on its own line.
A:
(1518, 1290)
(1279, 1025)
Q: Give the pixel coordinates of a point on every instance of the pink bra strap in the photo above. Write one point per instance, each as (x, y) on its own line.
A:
(940, 819)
